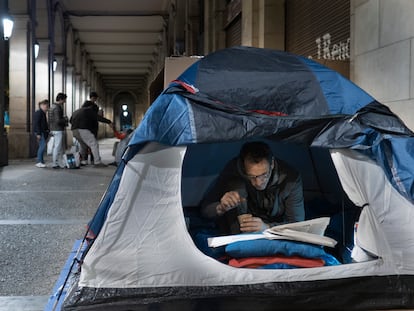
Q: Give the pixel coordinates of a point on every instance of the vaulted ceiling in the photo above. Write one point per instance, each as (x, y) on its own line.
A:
(122, 37)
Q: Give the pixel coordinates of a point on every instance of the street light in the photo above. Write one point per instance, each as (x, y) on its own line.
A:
(7, 27)
(54, 64)
(36, 49)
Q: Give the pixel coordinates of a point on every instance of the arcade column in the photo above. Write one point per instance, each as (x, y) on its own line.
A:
(42, 71)
(70, 102)
(4, 157)
(6, 28)
(19, 82)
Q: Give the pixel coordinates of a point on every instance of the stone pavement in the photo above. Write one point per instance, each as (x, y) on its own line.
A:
(42, 212)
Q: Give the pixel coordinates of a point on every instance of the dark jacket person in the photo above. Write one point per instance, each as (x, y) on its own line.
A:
(272, 189)
(85, 129)
(41, 130)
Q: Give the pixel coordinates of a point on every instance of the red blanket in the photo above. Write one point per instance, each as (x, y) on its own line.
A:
(255, 262)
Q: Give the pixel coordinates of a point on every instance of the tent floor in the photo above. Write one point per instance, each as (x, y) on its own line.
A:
(364, 293)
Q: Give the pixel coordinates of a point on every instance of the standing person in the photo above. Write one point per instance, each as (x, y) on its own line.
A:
(41, 130)
(85, 129)
(77, 121)
(271, 189)
(57, 124)
(93, 97)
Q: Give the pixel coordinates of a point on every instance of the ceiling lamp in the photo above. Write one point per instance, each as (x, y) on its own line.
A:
(36, 49)
(7, 27)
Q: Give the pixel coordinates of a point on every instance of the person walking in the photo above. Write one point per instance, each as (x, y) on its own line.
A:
(41, 130)
(57, 124)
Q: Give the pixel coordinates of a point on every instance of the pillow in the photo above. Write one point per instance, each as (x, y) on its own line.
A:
(265, 247)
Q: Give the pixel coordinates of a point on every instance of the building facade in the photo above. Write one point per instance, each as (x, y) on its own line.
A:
(368, 41)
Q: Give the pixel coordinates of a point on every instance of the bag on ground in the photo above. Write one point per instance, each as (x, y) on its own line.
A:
(72, 160)
(50, 145)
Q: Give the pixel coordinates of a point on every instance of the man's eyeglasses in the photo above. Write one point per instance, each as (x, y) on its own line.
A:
(261, 177)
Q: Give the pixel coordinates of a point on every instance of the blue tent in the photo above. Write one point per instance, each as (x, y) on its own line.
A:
(355, 157)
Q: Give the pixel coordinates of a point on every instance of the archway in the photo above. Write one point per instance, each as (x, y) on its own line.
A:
(124, 111)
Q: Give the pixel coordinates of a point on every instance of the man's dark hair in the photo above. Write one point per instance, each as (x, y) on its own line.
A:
(93, 94)
(255, 152)
(60, 96)
(88, 103)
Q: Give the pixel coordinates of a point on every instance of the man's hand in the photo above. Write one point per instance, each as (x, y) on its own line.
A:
(228, 201)
(38, 137)
(253, 224)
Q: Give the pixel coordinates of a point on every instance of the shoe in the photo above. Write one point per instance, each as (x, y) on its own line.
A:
(83, 163)
(40, 164)
(100, 164)
(56, 167)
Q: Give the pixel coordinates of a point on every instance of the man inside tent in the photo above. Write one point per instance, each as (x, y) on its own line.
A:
(270, 191)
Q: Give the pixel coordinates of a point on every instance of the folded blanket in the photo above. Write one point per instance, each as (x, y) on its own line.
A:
(264, 247)
(256, 262)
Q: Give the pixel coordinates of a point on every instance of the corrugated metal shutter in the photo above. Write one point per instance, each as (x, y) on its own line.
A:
(318, 29)
(233, 32)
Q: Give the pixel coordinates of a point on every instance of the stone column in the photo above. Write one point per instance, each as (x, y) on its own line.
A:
(4, 144)
(250, 22)
(272, 24)
(42, 72)
(208, 26)
(58, 77)
(70, 102)
(19, 80)
(88, 90)
(84, 92)
(77, 91)
(70, 83)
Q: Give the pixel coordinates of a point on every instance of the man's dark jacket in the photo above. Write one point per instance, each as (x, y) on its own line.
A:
(57, 122)
(87, 118)
(280, 202)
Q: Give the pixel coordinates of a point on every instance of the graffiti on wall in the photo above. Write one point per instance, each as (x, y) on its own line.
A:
(336, 51)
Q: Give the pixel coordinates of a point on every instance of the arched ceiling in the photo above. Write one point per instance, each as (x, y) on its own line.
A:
(122, 37)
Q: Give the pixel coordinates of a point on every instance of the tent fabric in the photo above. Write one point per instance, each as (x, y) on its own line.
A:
(141, 252)
(386, 224)
(150, 228)
(145, 252)
(349, 117)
